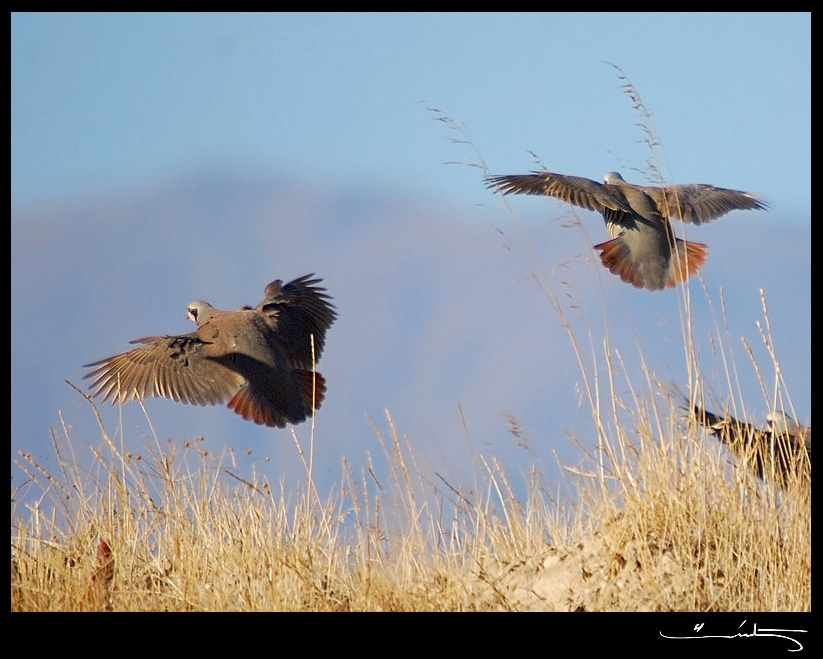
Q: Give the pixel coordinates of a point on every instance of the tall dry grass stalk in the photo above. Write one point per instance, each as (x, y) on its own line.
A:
(663, 518)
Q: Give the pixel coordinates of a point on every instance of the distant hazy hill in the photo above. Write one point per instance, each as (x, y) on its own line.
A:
(435, 306)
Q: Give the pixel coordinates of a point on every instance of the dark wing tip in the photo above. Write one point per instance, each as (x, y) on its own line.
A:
(507, 183)
(761, 204)
(492, 181)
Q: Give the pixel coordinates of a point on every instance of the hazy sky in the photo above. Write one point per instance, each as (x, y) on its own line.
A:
(111, 111)
(106, 100)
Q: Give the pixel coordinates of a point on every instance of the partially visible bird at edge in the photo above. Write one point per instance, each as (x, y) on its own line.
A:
(779, 453)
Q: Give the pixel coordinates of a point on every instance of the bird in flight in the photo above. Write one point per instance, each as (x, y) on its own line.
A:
(259, 359)
(779, 452)
(643, 251)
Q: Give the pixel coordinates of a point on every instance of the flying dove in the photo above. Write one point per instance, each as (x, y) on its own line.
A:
(643, 251)
(259, 359)
(777, 453)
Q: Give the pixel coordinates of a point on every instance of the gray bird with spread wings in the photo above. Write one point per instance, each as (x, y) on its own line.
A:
(643, 251)
(259, 359)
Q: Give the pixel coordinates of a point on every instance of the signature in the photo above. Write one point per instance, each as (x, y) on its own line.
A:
(774, 633)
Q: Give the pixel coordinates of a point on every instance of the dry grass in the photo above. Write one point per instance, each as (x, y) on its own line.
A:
(177, 529)
(663, 519)
(670, 525)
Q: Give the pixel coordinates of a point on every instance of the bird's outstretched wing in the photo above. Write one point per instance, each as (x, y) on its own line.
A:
(700, 203)
(296, 312)
(575, 190)
(173, 367)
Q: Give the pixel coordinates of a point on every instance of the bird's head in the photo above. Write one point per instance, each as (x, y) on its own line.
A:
(780, 422)
(199, 311)
(613, 178)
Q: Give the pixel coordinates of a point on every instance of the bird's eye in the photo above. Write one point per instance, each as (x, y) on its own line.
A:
(193, 312)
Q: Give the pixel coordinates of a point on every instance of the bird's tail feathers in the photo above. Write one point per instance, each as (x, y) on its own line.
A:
(312, 388)
(687, 257)
(275, 409)
(620, 259)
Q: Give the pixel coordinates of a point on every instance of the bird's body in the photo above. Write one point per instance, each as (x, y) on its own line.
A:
(644, 250)
(258, 359)
(780, 453)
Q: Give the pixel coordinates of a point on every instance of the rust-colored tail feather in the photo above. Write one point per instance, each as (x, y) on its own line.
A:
(687, 257)
(616, 256)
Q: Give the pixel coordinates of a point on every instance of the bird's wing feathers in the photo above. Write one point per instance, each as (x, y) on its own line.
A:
(575, 190)
(700, 203)
(697, 203)
(295, 312)
(725, 428)
(174, 367)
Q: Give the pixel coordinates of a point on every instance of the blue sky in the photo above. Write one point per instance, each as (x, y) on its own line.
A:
(107, 100)
(111, 111)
